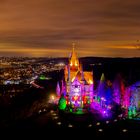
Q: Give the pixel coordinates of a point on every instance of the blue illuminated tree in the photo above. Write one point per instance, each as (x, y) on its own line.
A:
(109, 95)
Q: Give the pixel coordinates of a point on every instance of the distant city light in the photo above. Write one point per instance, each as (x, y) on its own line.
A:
(56, 117)
(61, 64)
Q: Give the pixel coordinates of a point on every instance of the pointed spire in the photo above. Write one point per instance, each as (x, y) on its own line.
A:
(73, 59)
(73, 47)
(73, 50)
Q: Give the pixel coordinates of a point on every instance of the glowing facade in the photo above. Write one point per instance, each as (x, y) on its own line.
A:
(78, 83)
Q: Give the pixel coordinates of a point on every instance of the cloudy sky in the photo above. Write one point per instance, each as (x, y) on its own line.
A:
(108, 28)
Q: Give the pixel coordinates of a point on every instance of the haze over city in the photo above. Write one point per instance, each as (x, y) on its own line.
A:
(48, 28)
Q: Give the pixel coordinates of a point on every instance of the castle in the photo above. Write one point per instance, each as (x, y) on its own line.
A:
(78, 83)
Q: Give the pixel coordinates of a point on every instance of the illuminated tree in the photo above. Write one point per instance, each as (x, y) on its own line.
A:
(108, 95)
(62, 103)
(101, 87)
(117, 89)
(58, 89)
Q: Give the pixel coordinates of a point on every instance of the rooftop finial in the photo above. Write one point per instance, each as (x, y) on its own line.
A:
(73, 46)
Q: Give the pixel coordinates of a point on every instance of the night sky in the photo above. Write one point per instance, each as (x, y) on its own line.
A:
(108, 28)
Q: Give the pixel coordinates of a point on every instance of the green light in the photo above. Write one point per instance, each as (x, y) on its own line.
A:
(62, 103)
(42, 77)
(130, 114)
(79, 111)
(70, 110)
(134, 111)
(98, 99)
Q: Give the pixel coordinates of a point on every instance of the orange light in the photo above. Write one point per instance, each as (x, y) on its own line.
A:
(71, 64)
(75, 98)
(73, 79)
(90, 81)
(76, 63)
(52, 97)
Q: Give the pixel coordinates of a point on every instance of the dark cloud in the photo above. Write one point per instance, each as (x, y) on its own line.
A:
(95, 24)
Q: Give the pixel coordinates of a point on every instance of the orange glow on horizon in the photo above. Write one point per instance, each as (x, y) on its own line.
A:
(109, 50)
(122, 47)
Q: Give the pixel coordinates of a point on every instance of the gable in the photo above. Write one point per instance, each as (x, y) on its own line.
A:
(76, 82)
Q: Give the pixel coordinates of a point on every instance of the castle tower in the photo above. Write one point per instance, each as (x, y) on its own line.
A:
(74, 62)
